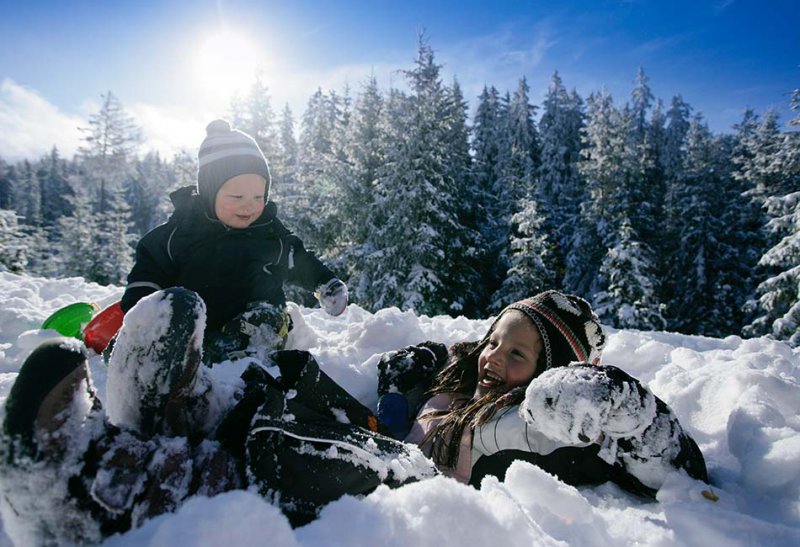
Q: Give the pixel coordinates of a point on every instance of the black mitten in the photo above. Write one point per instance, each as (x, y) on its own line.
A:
(405, 369)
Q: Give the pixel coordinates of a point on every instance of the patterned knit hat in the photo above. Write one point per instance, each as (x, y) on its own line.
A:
(224, 154)
(569, 328)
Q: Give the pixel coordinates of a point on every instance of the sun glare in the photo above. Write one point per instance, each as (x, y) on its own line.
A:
(226, 63)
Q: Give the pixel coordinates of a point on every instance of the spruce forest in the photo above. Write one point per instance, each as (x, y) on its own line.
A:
(633, 203)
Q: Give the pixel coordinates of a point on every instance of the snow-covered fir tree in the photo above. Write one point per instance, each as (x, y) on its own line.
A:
(705, 261)
(144, 191)
(464, 276)
(253, 114)
(322, 173)
(113, 250)
(644, 180)
(283, 167)
(29, 195)
(6, 186)
(13, 248)
(365, 151)
(417, 236)
(560, 188)
(777, 306)
(531, 257)
(602, 166)
(77, 244)
(110, 141)
(489, 145)
(53, 176)
(630, 299)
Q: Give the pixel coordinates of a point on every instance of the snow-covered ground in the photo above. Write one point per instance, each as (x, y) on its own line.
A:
(738, 398)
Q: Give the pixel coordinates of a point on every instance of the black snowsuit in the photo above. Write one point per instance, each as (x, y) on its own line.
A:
(227, 267)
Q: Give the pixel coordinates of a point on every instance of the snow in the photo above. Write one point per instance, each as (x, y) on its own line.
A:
(738, 398)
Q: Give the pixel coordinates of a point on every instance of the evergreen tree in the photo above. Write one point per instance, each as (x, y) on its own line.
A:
(677, 127)
(464, 276)
(13, 249)
(77, 243)
(560, 186)
(518, 165)
(777, 306)
(55, 188)
(645, 183)
(144, 192)
(109, 143)
(29, 195)
(531, 258)
(602, 167)
(762, 164)
(253, 114)
(284, 168)
(630, 300)
(705, 262)
(6, 186)
(112, 253)
(522, 159)
(365, 154)
(418, 236)
(489, 145)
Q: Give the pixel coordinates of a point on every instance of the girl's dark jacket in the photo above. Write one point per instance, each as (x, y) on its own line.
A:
(227, 267)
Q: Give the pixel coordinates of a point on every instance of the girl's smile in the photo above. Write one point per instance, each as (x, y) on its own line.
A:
(511, 353)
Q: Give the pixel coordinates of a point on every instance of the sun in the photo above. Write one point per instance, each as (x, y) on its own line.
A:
(226, 63)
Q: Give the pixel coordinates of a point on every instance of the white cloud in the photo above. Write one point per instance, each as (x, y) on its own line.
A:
(169, 129)
(30, 125)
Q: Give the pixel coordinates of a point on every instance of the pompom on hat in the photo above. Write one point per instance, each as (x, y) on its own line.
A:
(224, 154)
(570, 330)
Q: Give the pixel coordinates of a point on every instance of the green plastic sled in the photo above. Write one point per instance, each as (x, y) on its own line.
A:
(70, 320)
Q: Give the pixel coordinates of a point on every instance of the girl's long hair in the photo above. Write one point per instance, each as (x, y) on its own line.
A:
(461, 376)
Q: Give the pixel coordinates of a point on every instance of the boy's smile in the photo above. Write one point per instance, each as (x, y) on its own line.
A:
(240, 201)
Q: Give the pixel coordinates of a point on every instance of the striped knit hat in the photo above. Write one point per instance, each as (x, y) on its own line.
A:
(569, 328)
(224, 154)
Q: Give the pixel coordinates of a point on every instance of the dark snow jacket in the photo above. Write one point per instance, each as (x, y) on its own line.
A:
(227, 267)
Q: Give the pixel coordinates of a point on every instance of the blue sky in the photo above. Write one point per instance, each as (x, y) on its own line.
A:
(57, 57)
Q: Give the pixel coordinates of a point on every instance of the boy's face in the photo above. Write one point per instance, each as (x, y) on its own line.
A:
(511, 353)
(240, 201)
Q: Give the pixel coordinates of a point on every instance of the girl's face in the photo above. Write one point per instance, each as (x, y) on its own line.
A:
(240, 201)
(511, 353)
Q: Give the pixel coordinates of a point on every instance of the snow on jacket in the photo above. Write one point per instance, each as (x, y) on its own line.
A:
(227, 267)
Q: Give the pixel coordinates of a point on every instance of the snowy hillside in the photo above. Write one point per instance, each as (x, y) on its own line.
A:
(738, 398)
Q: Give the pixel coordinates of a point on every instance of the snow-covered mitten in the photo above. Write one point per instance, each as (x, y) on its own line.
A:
(259, 330)
(332, 296)
(404, 369)
(583, 403)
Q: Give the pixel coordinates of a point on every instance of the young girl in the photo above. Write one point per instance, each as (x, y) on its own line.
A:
(532, 389)
(225, 242)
